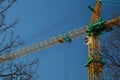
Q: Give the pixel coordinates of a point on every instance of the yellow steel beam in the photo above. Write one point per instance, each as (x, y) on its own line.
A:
(74, 34)
(113, 22)
(95, 69)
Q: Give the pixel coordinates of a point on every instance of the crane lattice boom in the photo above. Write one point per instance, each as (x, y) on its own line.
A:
(76, 33)
(66, 37)
(92, 32)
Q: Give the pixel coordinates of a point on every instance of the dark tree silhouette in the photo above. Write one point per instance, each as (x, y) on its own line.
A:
(13, 70)
(19, 70)
(111, 54)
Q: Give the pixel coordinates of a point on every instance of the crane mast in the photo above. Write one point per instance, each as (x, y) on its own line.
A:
(93, 31)
(94, 63)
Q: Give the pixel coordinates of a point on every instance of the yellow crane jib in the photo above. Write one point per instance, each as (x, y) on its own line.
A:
(103, 26)
(92, 32)
(53, 41)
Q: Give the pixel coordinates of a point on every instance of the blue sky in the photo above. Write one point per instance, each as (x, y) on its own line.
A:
(63, 62)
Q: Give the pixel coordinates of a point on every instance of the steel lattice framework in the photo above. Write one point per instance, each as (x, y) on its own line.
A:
(93, 31)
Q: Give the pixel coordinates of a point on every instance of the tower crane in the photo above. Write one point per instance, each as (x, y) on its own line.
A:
(93, 31)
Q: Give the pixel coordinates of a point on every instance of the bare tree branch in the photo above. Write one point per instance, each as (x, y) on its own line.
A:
(13, 70)
(23, 69)
(111, 53)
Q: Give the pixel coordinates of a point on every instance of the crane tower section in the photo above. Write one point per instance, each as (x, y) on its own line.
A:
(94, 63)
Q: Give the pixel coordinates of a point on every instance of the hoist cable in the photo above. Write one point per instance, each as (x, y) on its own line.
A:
(67, 62)
(112, 4)
(110, 0)
(50, 28)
